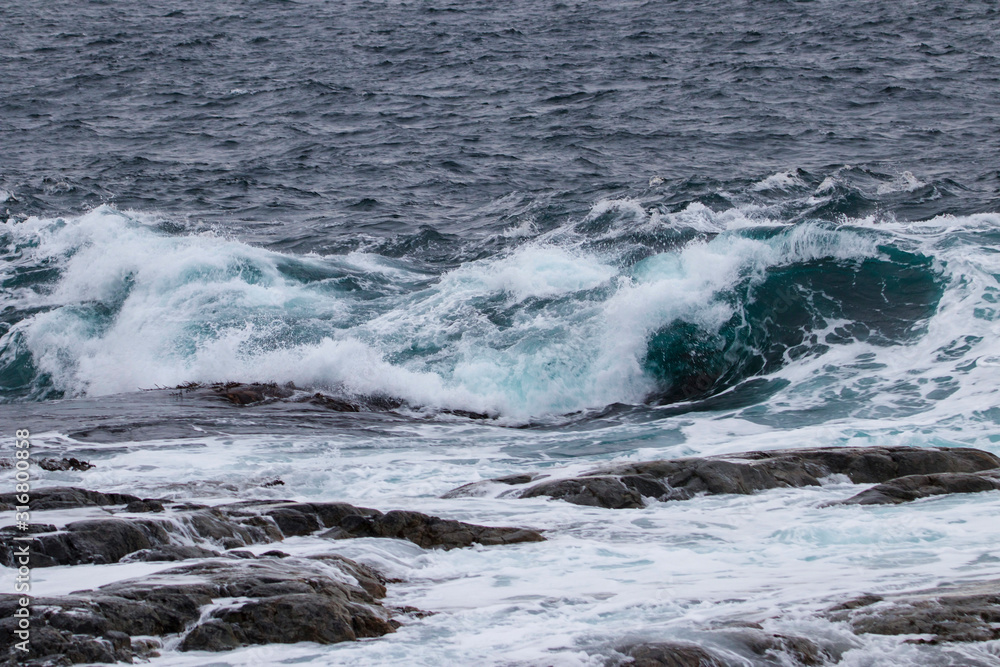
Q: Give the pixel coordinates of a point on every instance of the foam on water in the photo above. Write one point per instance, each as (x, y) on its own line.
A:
(551, 326)
(557, 321)
(662, 572)
(783, 180)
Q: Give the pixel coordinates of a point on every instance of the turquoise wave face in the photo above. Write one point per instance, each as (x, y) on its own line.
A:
(611, 310)
(795, 311)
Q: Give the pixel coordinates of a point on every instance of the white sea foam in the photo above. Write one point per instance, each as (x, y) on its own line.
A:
(783, 180)
(662, 572)
(547, 328)
(905, 182)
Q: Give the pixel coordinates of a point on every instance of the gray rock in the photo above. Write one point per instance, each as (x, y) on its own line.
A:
(598, 491)
(671, 654)
(291, 600)
(167, 534)
(286, 619)
(475, 489)
(246, 394)
(959, 613)
(912, 487)
(428, 531)
(147, 505)
(624, 485)
(767, 648)
(170, 552)
(59, 498)
(64, 464)
(732, 645)
(342, 521)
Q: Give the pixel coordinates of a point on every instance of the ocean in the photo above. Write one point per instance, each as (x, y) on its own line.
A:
(519, 237)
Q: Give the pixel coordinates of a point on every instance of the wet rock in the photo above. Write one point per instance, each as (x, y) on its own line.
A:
(670, 654)
(97, 541)
(468, 414)
(64, 464)
(743, 644)
(245, 394)
(32, 529)
(168, 533)
(912, 487)
(767, 648)
(148, 505)
(170, 552)
(958, 613)
(428, 531)
(285, 619)
(51, 647)
(624, 485)
(59, 498)
(283, 601)
(478, 489)
(274, 553)
(597, 491)
(343, 521)
(374, 402)
(335, 404)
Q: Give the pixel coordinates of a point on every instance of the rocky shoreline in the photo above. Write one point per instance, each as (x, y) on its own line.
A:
(903, 473)
(221, 595)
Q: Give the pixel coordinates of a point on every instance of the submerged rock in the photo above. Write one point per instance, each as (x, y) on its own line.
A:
(958, 613)
(912, 487)
(625, 485)
(167, 530)
(325, 599)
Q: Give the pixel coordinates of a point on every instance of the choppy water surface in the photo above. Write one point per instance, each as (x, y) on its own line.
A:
(615, 229)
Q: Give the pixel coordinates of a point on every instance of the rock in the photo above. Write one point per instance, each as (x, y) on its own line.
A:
(96, 541)
(274, 553)
(598, 491)
(64, 464)
(670, 654)
(624, 485)
(731, 646)
(912, 487)
(468, 414)
(335, 404)
(766, 648)
(295, 599)
(168, 534)
(170, 552)
(428, 531)
(343, 521)
(148, 505)
(59, 498)
(476, 489)
(245, 394)
(285, 619)
(958, 613)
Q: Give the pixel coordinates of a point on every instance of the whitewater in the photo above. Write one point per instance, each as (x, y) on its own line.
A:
(555, 331)
(371, 253)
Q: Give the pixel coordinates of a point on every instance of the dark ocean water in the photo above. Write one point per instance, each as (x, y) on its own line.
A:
(426, 133)
(644, 229)
(298, 124)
